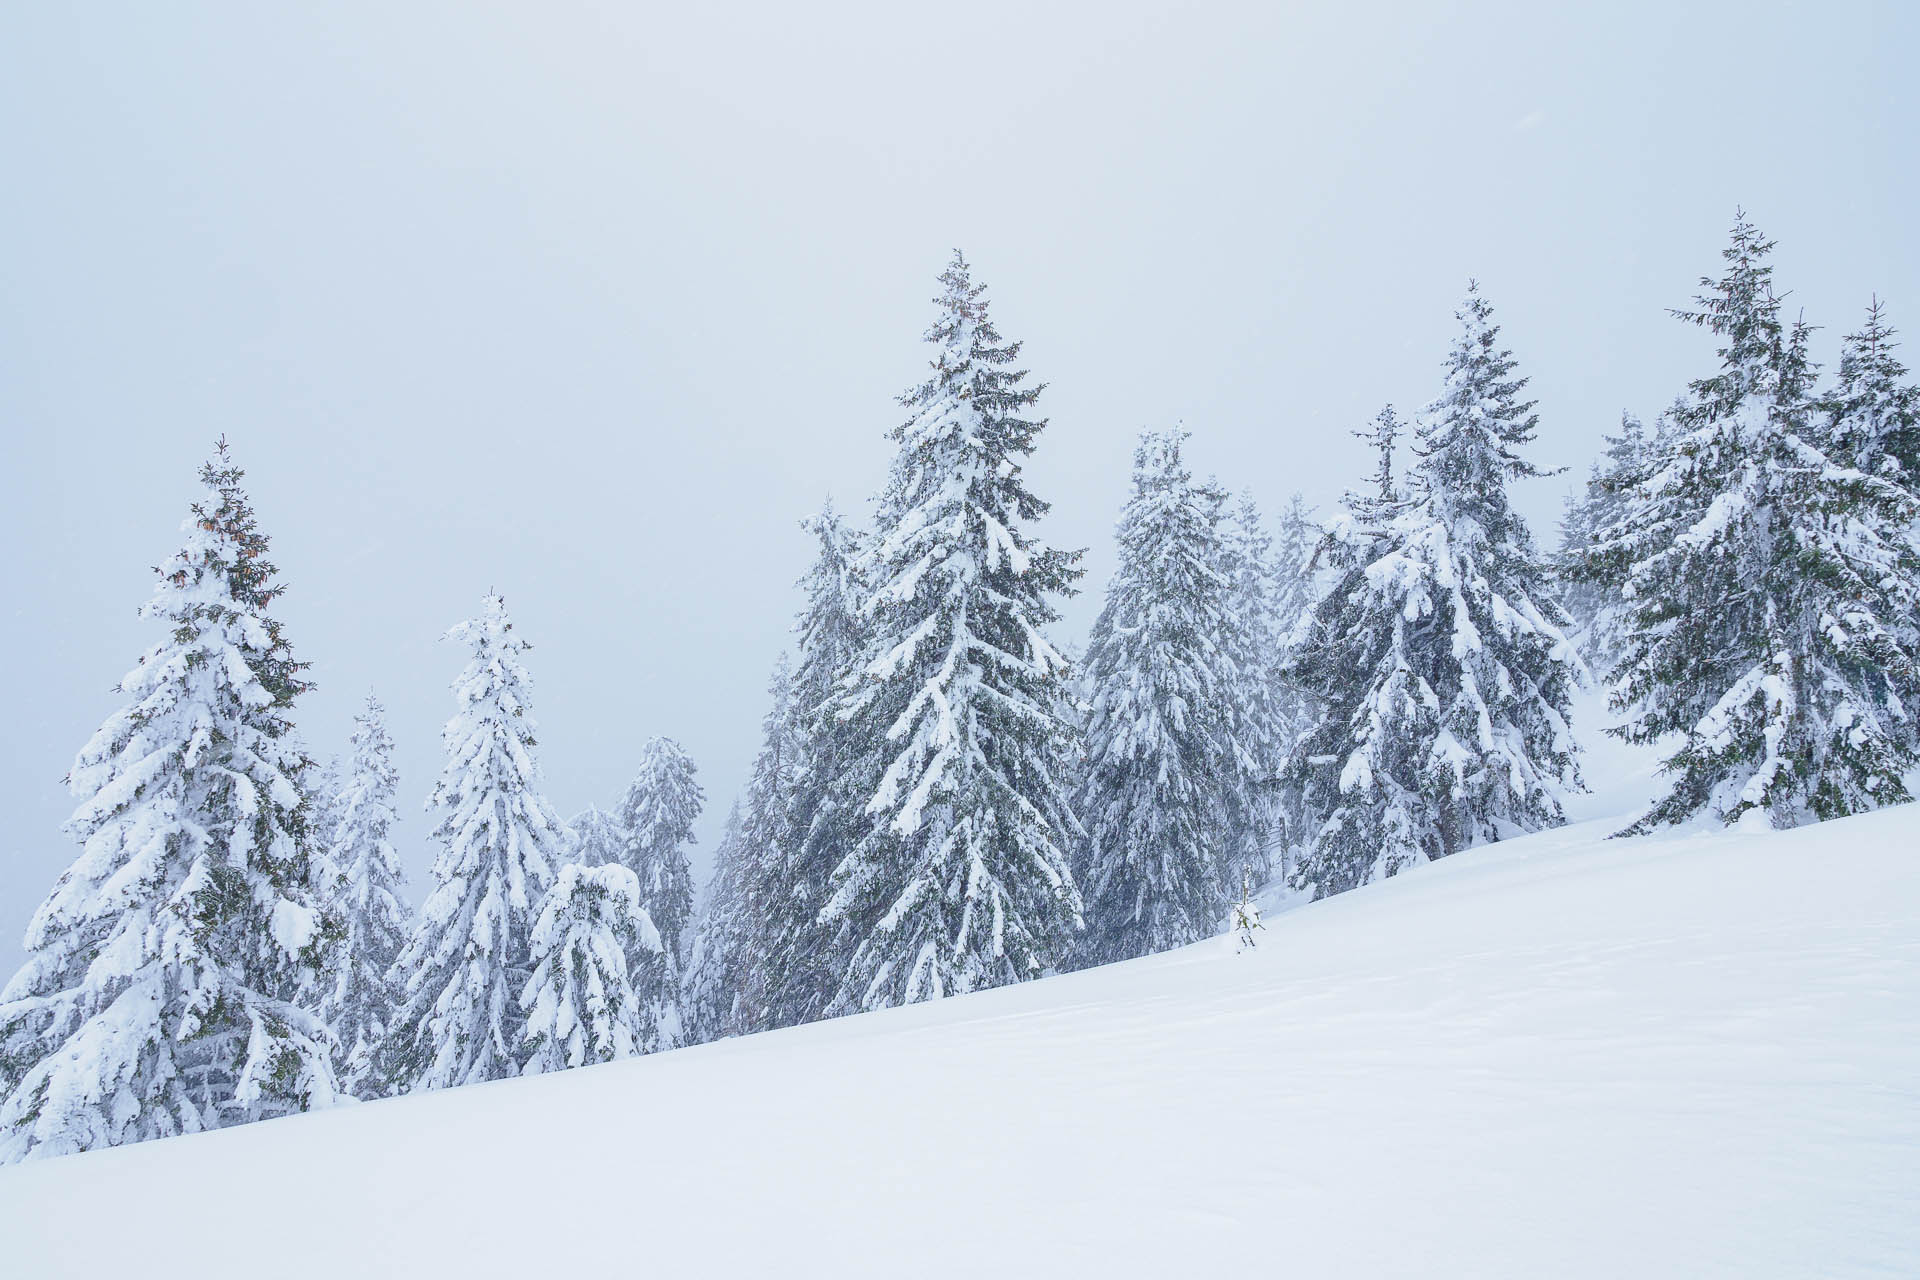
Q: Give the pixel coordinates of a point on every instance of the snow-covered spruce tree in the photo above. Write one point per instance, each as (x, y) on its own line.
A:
(1443, 679)
(1298, 568)
(1157, 799)
(467, 962)
(1596, 611)
(729, 986)
(712, 996)
(596, 837)
(1383, 501)
(581, 1003)
(324, 783)
(363, 891)
(1294, 568)
(1510, 672)
(1872, 418)
(662, 804)
(1873, 413)
(1772, 587)
(958, 878)
(1249, 640)
(159, 992)
(791, 877)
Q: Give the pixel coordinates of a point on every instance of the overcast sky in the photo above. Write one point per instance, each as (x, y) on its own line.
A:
(591, 303)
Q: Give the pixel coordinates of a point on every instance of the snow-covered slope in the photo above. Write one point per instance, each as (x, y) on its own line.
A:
(1557, 1057)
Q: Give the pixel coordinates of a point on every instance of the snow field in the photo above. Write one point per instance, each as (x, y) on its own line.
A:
(1696, 1055)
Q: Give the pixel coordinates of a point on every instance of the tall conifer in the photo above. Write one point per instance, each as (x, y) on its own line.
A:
(465, 966)
(1773, 585)
(1441, 674)
(168, 967)
(363, 889)
(1160, 792)
(958, 877)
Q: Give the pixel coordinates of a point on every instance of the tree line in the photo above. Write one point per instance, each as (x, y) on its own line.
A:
(944, 801)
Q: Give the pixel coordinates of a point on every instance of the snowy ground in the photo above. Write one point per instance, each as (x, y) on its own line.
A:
(1557, 1057)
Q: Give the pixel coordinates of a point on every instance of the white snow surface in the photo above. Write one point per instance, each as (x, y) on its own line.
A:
(1693, 1055)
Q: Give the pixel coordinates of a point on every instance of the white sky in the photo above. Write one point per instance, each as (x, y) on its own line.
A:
(591, 303)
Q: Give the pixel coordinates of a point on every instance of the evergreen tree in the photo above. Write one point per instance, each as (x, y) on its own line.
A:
(1377, 718)
(1443, 681)
(1873, 414)
(1297, 573)
(165, 966)
(1294, 567)
(1250, 642)
(468, 961)
(957, 878)
(820, 818)
(1158, 795)
(712, 993)
(1384, 501)
(581, 1003)
(661, 806)
(728, 982)
(596, 837)
(1596, 612)
(1872, 424)
(324, 784)
(1772, 586)
(363, 890)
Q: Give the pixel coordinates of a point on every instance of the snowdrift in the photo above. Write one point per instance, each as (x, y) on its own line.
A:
(1561, 1056)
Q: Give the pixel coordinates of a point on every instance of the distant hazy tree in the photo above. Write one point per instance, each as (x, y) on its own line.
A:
(792, 879)
(363, 890)
(1162, 732)
(597, 837)
(662, 804)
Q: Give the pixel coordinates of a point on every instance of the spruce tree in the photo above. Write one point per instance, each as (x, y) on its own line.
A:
(583, 1005)
(324, 784)
(1294, 568)
(1872, 424)
(596, 837)
(712, 995)
(363, 890)
(1873, 413)
(1597, 612)
(1382, 502)
(160, 992)
(1298, 569)
(661, 805)
(1250, 642)
(728, 984)
(791, 878)
(1158, 796)
(957, 877)
(1772, 585)
(1593, 506)
(1442, 677)
(467, 962)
